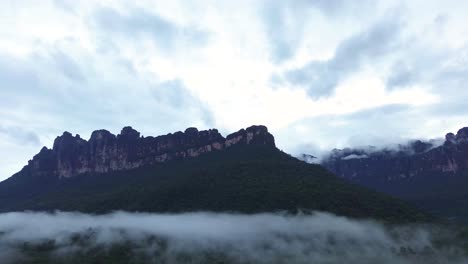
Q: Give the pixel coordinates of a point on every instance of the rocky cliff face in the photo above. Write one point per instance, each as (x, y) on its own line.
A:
(104, 152)
(405, 170)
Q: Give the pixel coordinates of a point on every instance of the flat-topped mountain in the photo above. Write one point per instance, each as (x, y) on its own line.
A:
(105, 152)
(434, 176)
(416, 160)
(184, 172)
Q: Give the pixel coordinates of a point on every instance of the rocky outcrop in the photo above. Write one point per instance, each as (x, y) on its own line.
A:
(406, 170)
(105, 152)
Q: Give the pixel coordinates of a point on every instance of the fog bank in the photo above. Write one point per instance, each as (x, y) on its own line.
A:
(210, 237)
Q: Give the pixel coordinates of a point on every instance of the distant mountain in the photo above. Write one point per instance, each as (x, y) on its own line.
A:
(434, 177)
(190, 171)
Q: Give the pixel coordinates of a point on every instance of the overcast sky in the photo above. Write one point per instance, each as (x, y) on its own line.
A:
(319, 73)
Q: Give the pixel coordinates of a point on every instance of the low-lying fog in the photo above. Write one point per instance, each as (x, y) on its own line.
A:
(221, 238)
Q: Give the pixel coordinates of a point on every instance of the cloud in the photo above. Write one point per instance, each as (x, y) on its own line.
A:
(417, 64)
(354, 156)
(65, 5)
(288, 23)
(20, 136)
(140, 23)
(81, 66)
(377, 126)
(284, 27)
(377, 112)
(230, 238)
(402, 74)
(67, 65)
(336, 8)
(320, 78)
(442, 73)
(51, 84)
(421, 61)
(16, 76)
(174, 93)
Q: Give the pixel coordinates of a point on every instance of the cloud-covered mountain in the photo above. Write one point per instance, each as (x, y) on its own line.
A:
(431, 174)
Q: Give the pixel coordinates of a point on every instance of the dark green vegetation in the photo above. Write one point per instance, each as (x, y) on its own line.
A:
(245, 179)
(444, 196)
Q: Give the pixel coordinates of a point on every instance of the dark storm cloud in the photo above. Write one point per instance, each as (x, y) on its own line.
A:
(320, 78)
(141, 23)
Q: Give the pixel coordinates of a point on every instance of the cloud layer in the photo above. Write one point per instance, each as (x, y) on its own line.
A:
(231, 238)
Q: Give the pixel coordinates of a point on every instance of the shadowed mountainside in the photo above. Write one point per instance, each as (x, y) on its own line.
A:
(430, 176)
(249, 176)
(106, 152)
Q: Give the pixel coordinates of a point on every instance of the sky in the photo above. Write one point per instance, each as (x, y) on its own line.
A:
(320, 74)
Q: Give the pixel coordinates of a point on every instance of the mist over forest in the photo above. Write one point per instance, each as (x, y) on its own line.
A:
(123, 237)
